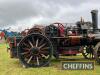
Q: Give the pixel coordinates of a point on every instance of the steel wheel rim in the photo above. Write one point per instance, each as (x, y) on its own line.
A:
(97, 54)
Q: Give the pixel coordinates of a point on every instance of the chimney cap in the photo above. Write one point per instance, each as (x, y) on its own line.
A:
(94, 11)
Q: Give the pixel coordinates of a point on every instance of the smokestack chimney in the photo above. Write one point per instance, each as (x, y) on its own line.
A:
(94, 14)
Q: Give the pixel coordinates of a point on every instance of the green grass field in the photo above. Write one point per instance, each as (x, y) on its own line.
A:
(10, 66)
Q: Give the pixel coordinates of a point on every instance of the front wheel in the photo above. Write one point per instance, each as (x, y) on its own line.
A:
(88, 52)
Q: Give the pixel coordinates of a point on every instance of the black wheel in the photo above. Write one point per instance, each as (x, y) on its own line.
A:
(97, 53)
(88, 52)
(35, 50)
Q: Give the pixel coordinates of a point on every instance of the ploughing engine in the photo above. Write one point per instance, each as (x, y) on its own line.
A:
(35, 47)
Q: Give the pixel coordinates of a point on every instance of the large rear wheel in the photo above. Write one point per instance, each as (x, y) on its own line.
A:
(35, 50)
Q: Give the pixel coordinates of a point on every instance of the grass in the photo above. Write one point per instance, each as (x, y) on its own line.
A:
(10, 66)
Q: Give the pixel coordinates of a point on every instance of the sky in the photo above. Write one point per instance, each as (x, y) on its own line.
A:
(22, 14)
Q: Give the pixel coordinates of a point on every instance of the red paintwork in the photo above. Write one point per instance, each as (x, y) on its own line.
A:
(70, 52)
(75, 40)
(61, 29)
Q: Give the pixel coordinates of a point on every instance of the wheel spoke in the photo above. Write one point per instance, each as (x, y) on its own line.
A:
(41, 41)
(37, 59)
(33, 40)
(45, 48)
(24, 53)
(30, 44)
(29, 59)
(44, 52)
(37, 43)
(42, 45)
(25, 44)
(26, 49)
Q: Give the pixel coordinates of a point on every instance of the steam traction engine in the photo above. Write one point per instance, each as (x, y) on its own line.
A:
(37, 45)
